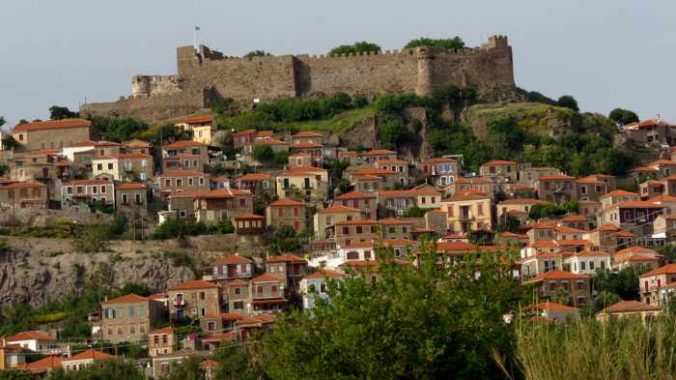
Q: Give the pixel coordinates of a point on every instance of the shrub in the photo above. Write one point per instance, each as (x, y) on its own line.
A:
(178, 229)
(454, 43)
(357, 47)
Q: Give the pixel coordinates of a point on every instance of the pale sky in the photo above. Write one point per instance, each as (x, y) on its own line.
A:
(606, 53)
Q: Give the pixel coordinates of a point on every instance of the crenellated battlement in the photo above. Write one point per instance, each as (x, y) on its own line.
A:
(420, 70)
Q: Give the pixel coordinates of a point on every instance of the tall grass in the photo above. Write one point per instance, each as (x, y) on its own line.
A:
(621, 349)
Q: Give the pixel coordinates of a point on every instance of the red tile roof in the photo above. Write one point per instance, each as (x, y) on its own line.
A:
(378, 152)
(52, 124)
(561, 177)
(521, 201)
(193, 284)
(131, 186)
(285, 258)
(666, 269)
(498, 163)
(129, 298)
(355, 195)
(90, 354)
(255, 177)
(30, 335)
(629, 306)
(181, 173)
(234, 259)
(307, 134)
(194, 119)
(266, 277)
(286, 202)
(324, 273)
(183, 144)
(558, 275)
(337, 209)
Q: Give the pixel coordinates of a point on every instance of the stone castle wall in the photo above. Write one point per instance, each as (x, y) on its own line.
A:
(208, 73)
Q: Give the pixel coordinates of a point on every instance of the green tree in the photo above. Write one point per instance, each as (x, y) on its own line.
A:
(15, 374)
(668, 252)
(236, 364)
(391, 131)
(257, 53)
(568, 101)
(509, 223)
(355, 48)
(103, 370)
(286, 239)
(178, 229)
(410, 324)
(263, 153)
(59, 113)
(454, 43)
(622, 116)
(188, 369)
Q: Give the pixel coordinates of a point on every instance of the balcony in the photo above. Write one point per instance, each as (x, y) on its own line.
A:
(178, 302)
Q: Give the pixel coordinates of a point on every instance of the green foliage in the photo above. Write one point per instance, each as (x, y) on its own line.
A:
(188, 369)
(224, 227)
(263, 153)
(236, 364)
(356, 48)
(549, 210)
(568, 101)
(257, 53)
(220, 105)
(336, 168)
(59, 113)
(102, 370)
(286, 239)
(625, 283)
(178, 228)
(411, 324)
(509, 223)
(299, 109)
(415, 212)
(118, 130)
(134, 288)
(391, 131)
(536, 97)
(668, 251)
(622, 116)
(15, 374)
(9, 142)
(620, 349)
(454, 43)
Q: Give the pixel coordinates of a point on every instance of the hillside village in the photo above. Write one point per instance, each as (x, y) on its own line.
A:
(562, 229)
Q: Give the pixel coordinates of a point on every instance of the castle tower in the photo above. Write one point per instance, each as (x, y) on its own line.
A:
(140, 86)
(424, 76)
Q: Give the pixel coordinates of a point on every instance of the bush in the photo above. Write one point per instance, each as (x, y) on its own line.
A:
(623, 117)
(454, 43)
(178, 229)
(568, 101)
(299, 109)
(356, 48)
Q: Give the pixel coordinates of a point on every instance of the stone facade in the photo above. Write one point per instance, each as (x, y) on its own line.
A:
(205, 73)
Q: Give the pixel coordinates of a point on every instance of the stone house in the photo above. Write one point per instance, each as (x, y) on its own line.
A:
(393, 228)
(649, 131)
(237, 296)
(374, 155)
(617, 196)
(24, 194)
(557, 283)
(222, 205)
(398, 166)
(312, 152)
(51, 134)
(348, 232)
(556, 189)
(185, 155)
(290, 268)
(286, 212)
(129, 318)
(631, 213)
(651, 188)
(256, 182)
(367, 204)
(664, 226)
(441, 171)
(586, 262)
(390, 178)
(307, 137)
(193, 299)
(277, 146)
(517, 207)
(267, 294)
(231, 268)
(249, 224)
(314, 286)
(499, 171)
(85, 191)
(300, 160)
(591, 188)
(468, 212)
(181, 180)
(630, 309)
(326, 217)
(473, 184)
(136, 146)
(367, 183)
(529, 176)
(162, 342)
(131, 198)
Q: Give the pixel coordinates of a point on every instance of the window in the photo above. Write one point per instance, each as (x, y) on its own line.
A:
(99, 166)
(103, 189)
(391, 230)
(132, 329)
(239, 305)
(167, 182)
(359, 229)
(211, 326)
(202, 296)
(583, 189)
(273, 288)
(242, 202)
(238, 291)
(203, 311)
(138, 198)
(94, 190)
(131, 311)
(322, 288)
(591, 265)
(110, 166)
(201, 181)
(190, 180)
(179, 182)
(259, 290)
(480, 209)
(124, 199)
(367, 255)
(580, 285)
(450, 210)
(583, 265)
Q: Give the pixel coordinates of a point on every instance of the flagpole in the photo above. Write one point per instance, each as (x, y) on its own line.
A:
(195, 41)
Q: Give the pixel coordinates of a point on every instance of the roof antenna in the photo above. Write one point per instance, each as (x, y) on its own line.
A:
(195, 39)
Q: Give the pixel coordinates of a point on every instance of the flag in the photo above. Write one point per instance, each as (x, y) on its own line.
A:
(197, 28)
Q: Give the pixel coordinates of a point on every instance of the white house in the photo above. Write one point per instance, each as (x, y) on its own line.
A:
(586, 262)
(36, 341)
(314, 286)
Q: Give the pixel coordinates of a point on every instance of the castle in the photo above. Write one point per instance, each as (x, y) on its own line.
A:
(204, 74)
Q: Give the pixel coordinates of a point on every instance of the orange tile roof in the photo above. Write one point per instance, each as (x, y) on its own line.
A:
(285, 202)
(307, 134)
(193, 284)
(569, 230)
(359, 244)
(266, 277)
(467, 196)
(634, 204)
(30, 335)
(181, 173)
(136, 143)
(247, 215)
(23, 185)
(337, 209)
(637, 258)
(129, 298)
(574, 218)
(183, 144)
(90, 354)
(521, 201)
(552, 306)
(438, 160)
(558, 275)
(255, 177)
(641, 250)
(324, 273)
(390, 161)
(498, 163)
(394, 222)
(52, 124)
(306, 145)
(234, 259)
(194, 119)
(561, 177)
(49, 362)
(285, 258)
(87, 182)
(131, 186)
(354, 195)
(379, 152)
(164, 330)
(629, 306)
(270, 141)
(222, 194)
(666, 269)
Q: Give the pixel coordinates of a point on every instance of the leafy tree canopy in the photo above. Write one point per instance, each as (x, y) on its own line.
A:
(59, 113)
(568, 102)
(355, 48)
(257, 53)
(454, 43)
(622, 116)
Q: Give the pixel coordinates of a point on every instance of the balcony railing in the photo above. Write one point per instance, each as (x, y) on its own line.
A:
(178, 302)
